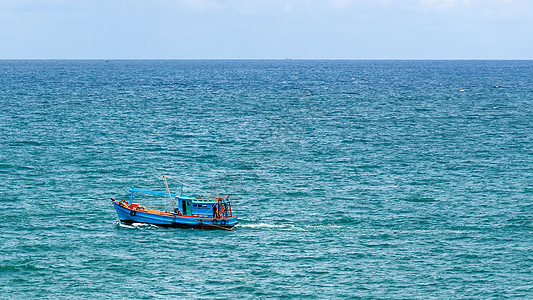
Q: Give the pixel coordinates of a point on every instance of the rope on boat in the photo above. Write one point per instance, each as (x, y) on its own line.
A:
(150, 197)
(189, 185)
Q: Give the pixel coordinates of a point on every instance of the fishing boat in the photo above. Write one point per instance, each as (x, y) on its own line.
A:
(187, 212)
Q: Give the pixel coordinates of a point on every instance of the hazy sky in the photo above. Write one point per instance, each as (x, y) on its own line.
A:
(307, 29)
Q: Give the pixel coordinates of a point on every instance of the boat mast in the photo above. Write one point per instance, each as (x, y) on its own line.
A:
(168, 191)
(182, 182)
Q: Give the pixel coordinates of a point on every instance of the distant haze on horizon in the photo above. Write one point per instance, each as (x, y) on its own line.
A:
(298, 29)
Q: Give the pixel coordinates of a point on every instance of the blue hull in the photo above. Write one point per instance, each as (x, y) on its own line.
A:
(129, 216)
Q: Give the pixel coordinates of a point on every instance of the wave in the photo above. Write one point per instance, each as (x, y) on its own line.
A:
(136, 225)
(269, 226)
(289, 227)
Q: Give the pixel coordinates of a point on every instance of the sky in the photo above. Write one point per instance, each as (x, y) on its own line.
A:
(266, 29)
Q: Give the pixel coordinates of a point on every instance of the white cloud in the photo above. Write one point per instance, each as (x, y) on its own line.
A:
(443, 4)
(477, 5)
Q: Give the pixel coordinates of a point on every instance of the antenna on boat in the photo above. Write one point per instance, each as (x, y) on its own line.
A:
(182, 182)
(214, 191)
(169, 195)
(185, 184)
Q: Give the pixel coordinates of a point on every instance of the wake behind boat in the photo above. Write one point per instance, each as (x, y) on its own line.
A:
(188, 212)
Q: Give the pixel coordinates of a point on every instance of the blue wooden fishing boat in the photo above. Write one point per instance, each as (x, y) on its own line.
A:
(188, 212)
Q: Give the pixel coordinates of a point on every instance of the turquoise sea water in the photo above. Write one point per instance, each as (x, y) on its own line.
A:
(351, 179)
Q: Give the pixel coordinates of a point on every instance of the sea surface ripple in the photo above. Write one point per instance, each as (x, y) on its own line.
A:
(351, 179)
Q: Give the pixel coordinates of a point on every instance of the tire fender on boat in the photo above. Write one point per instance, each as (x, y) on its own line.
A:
(223, 222)
(133, 213)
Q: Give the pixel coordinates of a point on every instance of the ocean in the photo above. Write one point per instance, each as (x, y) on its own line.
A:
(350, 179)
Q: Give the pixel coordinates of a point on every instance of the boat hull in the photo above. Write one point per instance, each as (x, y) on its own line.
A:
(164, 219)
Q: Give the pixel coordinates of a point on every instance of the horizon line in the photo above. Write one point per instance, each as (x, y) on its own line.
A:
(285, 59)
